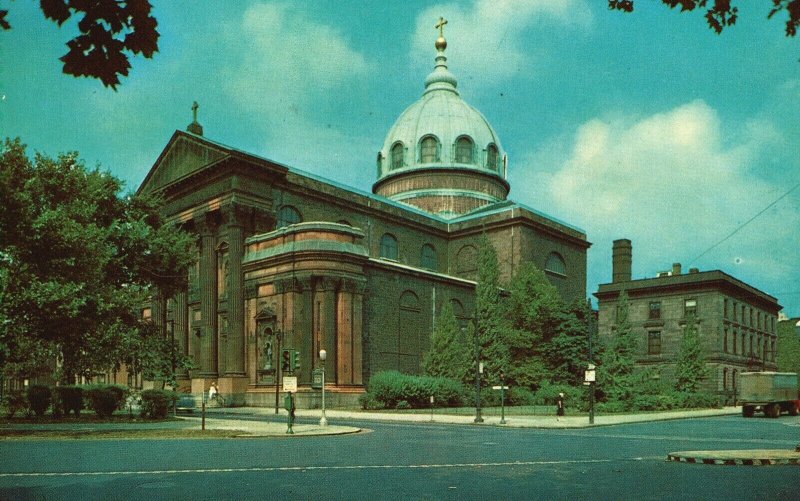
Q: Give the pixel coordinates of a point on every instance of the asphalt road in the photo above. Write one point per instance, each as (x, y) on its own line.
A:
(402, 461)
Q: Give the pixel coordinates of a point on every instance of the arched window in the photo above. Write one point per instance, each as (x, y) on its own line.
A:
(492, 157)
(389, 246)
(555, 264)
(428, 258)
(429, 150)
(464, 148)
(467, 259)
(288, 215)
(379, 163)
(397, 155)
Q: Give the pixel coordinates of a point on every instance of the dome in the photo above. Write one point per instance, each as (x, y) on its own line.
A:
(442, 155)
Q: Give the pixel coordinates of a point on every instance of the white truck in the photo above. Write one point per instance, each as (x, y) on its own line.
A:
(770, 392)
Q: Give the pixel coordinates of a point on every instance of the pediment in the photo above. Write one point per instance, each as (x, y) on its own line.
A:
(182, 156)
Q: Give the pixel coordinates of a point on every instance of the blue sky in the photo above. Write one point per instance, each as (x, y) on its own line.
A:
(645, 126)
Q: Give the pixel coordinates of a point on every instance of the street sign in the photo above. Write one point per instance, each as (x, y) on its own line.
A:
(316, 379)
(290, 383)
(499, 387)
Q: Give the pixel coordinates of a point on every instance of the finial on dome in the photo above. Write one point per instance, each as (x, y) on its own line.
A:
(441, 43)
(195, 127)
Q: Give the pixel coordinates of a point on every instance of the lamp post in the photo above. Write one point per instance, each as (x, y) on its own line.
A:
(323, 421)
(174, 363)
(478, 372)
(278, 336)
(590, 366)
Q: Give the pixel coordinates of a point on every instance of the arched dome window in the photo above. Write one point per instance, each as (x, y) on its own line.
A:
(428, 258)
(429, 150)
(388, 248)
(492, 157)
(397, 155)
(464, 149)
(555, 264)
(288, 215)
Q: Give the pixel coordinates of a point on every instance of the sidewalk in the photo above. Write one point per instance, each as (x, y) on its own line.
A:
(538, 421)
(268, 429)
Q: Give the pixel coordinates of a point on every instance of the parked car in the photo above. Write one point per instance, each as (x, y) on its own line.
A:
(185, 403)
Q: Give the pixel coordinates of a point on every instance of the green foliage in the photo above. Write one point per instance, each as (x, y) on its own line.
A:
(788, 347)
(109, 30)
(388, 388)
(616, 376)
(723, 13)
(449, 355)
(156, 404)
(15, 401)
(493, 349)
(369, 402)
(77, 261)
(39, 398)
(105, 399)
(690, 366)
(68, 398)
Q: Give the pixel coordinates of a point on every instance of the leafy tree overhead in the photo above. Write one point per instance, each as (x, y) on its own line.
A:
(722, 13)
(110, 30)
(77, 263)
(788, 346)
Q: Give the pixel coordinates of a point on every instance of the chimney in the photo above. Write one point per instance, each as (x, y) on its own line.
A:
(622, 257)
(676, 269)
(693, 271)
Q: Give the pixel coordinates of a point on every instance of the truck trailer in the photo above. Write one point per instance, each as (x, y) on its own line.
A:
(770, 392)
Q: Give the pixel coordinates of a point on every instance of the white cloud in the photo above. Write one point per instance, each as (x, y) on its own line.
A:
(675, 183)
(485, 38)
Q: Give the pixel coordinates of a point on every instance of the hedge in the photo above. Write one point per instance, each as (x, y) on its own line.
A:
(105, 399)
(39, 398)
(156, 404)
(394, 390)
(66, 399)
(15, 401)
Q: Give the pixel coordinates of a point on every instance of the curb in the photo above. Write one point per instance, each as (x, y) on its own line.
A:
(733, 462)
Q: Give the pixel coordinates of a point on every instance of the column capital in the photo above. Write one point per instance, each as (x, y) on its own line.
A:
(236, 214)
(328, 283)
(353, 285)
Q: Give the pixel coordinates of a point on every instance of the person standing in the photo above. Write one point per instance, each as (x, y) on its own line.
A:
(213, 391)
(560, 406)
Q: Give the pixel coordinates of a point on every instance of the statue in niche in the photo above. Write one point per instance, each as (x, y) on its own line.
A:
(267, 355)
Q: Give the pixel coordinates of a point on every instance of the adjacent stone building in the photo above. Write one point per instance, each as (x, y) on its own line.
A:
(291, 260)
(736, 321)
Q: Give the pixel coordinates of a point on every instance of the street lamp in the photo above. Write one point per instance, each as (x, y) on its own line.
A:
(174, 363)
(323, 421)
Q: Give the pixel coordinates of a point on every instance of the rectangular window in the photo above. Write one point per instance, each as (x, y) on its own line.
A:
(655, 310)
(690, 308)
(725, 309)
(725, 342)
(735, 312)
(654, 343)
(733, 339)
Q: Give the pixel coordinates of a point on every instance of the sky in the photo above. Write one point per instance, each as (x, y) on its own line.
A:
(646, 126)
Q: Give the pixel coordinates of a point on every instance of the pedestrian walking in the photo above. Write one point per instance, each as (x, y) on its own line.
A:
(559, 406)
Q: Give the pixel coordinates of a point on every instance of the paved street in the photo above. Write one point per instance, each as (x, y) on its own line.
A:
(412, 461)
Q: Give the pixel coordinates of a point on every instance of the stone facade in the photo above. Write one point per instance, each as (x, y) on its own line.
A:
(736, 322)
(326, 281)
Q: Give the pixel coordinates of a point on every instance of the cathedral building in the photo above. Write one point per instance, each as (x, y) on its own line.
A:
(289, 260)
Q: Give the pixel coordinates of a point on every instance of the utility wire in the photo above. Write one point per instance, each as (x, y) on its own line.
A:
(745, 223)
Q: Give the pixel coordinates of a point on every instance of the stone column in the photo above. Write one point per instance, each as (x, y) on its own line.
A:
(325, 324)
(208, 298)
(236, 216)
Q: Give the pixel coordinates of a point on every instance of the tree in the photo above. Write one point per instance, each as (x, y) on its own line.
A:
(493, 349)
(690, 366)
(722, 13)
(567, 352)
(533, 314)
(78, 262)
(109, 30)
(616, 375)
(451, 351)
(788, 346)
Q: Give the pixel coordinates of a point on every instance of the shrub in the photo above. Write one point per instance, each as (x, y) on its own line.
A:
(519, 396)
(391, 387)
(66, 399)
(157, 403)
(369, 402)
(15, 401)
(402, 404)
(39, 398)
(547, 394)
(105, 399)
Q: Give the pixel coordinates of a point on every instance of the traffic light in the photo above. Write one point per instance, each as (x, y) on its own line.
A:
(286, 360)
(295, 360)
